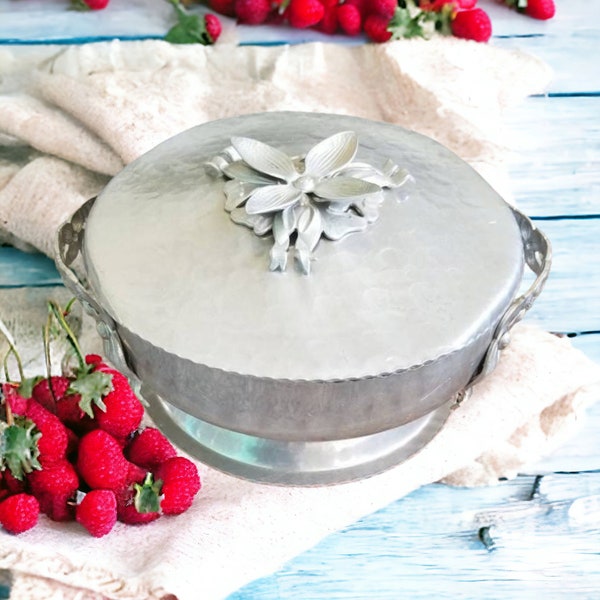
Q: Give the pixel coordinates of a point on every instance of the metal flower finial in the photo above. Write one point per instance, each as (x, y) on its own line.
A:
(323, 193)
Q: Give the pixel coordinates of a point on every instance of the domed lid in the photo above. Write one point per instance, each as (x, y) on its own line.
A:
(303, 246)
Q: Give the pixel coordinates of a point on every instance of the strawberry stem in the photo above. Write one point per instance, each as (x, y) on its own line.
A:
(8, 413)
(46, 338)
(12, 349)
(47, 355)
(60, 317)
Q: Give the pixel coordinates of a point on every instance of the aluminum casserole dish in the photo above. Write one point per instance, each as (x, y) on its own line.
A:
(302, 297)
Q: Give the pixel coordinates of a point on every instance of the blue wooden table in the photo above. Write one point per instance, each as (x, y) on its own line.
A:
(537, 536)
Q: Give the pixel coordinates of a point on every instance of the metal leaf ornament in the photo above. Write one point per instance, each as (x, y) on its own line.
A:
(322, 194)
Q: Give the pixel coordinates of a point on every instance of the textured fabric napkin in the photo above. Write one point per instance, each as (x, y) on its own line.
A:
(71, 117)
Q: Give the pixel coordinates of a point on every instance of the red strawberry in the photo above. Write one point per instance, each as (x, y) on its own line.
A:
(17, 402)
(4, 491)
(97, 512)
(252, 12)
(385, 8)
(540, 9)
(12, 484)
(48, 391)
(213, 27)
(472, 24)
(68, 410)
(55, 488)
(304, 13)
(180, 484)
(86, 391)
(100, 461)
(19, 513)
(329, 23)
(362, 5)
(139, 503)
(54, 440)
(376, 28)
(149, 449)
(349, 19)
(96, 360)
(135, 473)
(123, 410)
(223, 7)
(96, 4)
(129, 514)
(435, 5)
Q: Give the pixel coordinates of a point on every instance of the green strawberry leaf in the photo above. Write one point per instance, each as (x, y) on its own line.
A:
(26, 386)
(189, 29)
(92, 387)
(19, 447)
(79, 5)
(147, 495)
(410, 21)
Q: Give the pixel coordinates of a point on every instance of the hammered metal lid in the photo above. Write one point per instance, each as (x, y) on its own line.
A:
(433, 268)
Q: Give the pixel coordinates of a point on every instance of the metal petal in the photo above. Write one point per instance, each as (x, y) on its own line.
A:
(303, 256)
(240, 170)
(342, 188)
(339, 207)
(261, 224)
(369, 207)
(336, 225)
(237, 192)
(310, 227)
(284, 224)
(279, 257)
(396, 176)
(391, 176)
(332, 154)
(265, 158)
(271, 198)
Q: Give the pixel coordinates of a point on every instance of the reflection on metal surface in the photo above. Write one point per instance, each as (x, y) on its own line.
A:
(295, 463)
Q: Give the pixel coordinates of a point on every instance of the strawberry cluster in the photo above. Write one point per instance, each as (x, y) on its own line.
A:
(380, 20)
(73, 447)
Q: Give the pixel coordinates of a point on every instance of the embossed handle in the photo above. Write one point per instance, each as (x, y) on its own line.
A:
(68, 245)
(538, 257)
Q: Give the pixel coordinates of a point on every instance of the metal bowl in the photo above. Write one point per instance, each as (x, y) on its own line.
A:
(302, 297)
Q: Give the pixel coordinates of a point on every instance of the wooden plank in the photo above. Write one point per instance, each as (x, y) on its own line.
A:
(571, 16)
(554, 167)
(573, 59)
(19, 269)
(429, 545)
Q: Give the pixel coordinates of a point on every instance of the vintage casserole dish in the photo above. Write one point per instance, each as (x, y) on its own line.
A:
(302, 296)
